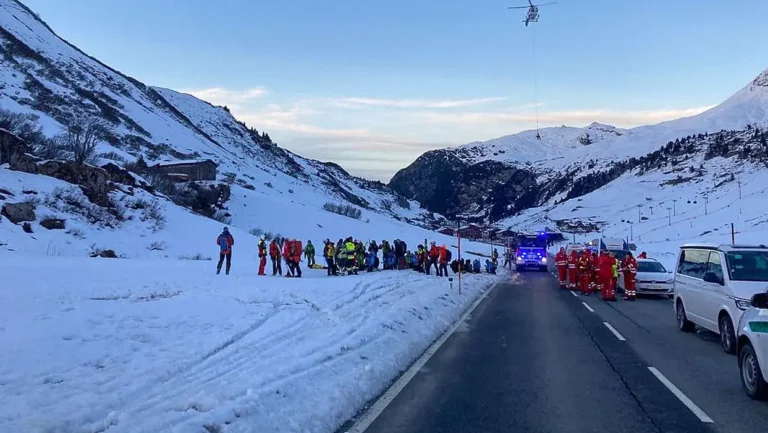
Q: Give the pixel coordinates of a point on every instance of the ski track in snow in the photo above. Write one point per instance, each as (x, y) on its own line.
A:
(174, 348)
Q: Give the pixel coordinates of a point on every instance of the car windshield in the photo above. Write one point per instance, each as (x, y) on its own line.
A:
(531, 243)
(748, 265)
(650, 267)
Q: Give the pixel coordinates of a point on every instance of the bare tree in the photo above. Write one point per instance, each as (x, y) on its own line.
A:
(51, 148)
(82, 135)
(23, 125)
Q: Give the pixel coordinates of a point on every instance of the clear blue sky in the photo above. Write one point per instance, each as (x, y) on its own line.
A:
(372, 84)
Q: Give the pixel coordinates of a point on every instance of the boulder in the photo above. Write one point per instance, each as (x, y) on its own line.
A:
(92, 179)
(107, 254)
(16, 153)
(53, 224)
(19, 212)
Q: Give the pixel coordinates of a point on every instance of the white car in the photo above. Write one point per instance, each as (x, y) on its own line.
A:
(753, 347)
(652, 279)
(714, 285)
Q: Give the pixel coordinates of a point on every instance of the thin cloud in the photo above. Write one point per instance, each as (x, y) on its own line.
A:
(355, 102)
(617, 118)
(230, 98)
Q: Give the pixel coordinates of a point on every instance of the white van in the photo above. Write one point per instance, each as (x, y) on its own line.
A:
(714, 284)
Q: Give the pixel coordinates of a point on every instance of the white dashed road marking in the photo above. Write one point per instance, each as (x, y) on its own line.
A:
(615, 332)
(588, 307)
(574, 294)
(703, 417)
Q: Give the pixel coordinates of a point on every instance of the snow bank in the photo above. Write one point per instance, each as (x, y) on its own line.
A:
(150, 346)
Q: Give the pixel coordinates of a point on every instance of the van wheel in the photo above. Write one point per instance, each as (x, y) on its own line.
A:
(752, 379)
(683, 323)
(727, 335)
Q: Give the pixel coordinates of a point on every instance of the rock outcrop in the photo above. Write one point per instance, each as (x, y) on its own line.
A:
(93, 180)
(19, 212)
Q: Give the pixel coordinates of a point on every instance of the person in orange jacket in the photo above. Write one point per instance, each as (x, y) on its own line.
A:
(262, 255)
(434, 256)
(585, 271)
(274, 255)
(573, 262)
(643, 255)
(605, 274)
(561, 262)
(629, 269)
(225, 242)
(288, 257)
(444, 258)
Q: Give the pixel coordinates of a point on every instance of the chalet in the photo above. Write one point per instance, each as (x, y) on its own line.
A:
(471, 231)
(506, 234)
(188, 170)
(491, 234)
(447, 231)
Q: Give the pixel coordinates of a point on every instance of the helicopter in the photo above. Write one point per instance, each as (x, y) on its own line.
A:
(533, 11)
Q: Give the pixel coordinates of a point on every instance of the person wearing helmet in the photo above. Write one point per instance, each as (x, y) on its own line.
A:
(262, 255)
(309, 253)
(434, 256)
(275, 256)
(225, 242)
(561, 262)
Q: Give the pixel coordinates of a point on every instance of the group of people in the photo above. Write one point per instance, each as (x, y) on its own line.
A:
(589, 272)
(350, 256)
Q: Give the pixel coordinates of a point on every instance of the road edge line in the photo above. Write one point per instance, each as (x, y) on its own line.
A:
(588, 307)
(700, 414)
(365, 421)
(615, 332)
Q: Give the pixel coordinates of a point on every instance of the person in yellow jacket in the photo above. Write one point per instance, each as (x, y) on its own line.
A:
(349, 245)
(615, 279)
(330, 253)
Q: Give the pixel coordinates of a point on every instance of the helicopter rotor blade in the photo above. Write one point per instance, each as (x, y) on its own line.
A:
(518, 7)
(546, 4)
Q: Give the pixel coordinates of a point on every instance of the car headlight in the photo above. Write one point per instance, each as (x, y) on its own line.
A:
(742, 304)
(543, 260)
(519, 259)
(672, 281)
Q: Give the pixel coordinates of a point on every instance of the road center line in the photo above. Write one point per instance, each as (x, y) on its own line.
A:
(368, 417)
(703, 417)
(588, 307)
(615, 332)
(574, 294)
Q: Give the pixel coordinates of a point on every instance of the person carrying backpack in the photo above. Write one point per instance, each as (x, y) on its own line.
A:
(274, 255)
(330, 254)
(445, 258)
(309, 253)
(225, 242)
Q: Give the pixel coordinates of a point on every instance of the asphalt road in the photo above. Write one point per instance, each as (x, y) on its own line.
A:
(694, 362)
(532, 358)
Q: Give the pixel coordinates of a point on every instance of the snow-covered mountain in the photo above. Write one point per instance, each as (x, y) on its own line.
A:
(268, 188)
(507, 175)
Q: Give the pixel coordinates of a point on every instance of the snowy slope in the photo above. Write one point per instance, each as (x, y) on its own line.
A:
(158, 346)
(659, 214)
(549, 168)
(47, 76)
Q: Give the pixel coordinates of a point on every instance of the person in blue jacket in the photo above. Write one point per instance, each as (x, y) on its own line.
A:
(490, 267)
(476, 266)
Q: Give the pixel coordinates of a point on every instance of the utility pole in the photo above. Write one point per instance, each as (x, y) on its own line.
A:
(631, 232)
(458, 236)
(706, 201)
(669, 215)
(733, 235)
(738, 181)
(674, 207)
(640, 206)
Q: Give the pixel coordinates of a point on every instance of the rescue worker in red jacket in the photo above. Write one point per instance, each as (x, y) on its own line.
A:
(274, 256)
(561, 261)
(573, 261)
(444, 257)
(595, 268)
(605, 275)
(225, 242)
(585, 271)
(262, 255)
(629, 269)
(643, 255)
(288, 257)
